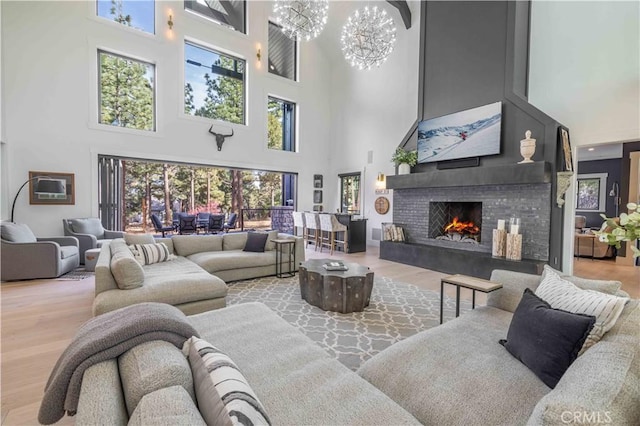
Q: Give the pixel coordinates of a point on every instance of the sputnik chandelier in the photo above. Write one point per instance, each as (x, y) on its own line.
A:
(301, 19)
(368, 38)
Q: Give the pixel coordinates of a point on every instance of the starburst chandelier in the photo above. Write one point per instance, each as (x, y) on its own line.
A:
(368, 38)
(301, 19)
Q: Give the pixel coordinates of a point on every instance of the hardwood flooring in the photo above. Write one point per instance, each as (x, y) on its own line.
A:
(40, 317)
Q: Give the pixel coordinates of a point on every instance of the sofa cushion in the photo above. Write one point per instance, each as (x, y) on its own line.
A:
(185, 245)
(17, 233)
(232, 259)
(138, 238)
(147, 254)
(151, 366)
(255, 242)
(89, 225)
(271, 235)
(224, 396)
(234, 241)
(68, 251)
(513, 284)
(544, 339)
(167, 406)
(125, 269)
(457, 373)
(562, 294)
(604, 286)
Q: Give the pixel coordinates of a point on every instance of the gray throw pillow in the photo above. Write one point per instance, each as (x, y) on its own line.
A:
(126, 271)
(90, 225)
(17, 233)
(256, 242)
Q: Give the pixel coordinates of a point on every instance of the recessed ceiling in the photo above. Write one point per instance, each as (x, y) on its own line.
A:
(600, 152)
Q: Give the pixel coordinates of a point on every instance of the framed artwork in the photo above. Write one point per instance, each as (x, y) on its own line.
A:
(563, 134)
(317, 208)
(317, 197)
(68, 182)
(591, 195)
(317, 181)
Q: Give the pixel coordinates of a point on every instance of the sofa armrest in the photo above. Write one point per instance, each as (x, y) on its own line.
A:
(41, 259)
(101, 396)
(63, 241)
(112, 235)
(513, 285)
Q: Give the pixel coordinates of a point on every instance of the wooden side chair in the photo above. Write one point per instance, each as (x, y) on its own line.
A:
(312, 226)
(329, 228)
(299, 222)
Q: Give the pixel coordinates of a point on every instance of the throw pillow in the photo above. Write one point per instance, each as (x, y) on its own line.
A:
(256, 242)
(126, 271)
(561, 294)
(544, 339)
(17, 233)
(89, 225)
(223, 394)
(604, 286)
(131, 239)
(147, 254)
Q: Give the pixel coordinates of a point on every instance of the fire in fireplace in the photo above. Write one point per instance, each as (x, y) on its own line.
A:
(455, 221)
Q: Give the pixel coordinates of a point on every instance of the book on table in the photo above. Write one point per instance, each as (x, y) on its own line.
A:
(335, 266)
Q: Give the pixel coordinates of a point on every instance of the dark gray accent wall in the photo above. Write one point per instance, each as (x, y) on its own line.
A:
(613, 169)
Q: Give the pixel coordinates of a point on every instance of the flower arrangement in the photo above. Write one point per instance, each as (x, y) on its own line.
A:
(627, 229)
(407, 157)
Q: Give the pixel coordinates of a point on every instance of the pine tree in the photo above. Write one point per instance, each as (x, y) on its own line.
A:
(189, 106)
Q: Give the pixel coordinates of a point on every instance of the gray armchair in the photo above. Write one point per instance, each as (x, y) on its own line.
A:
(89, 232)
(25, 257)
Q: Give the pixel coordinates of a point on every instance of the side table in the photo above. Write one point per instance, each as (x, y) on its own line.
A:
(281, 245)
(90, 259)
(472, 283)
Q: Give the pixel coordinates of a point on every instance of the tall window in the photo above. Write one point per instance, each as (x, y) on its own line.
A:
(282, 53)
(138, 14)
(228, 13)
(214, 84)
(126, 92)
(350, 193)
(281, 126)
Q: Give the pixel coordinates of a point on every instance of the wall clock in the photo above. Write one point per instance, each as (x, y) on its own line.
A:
(382, 205)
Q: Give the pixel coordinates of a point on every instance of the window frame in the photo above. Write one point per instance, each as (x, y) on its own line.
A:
(103, 19)
(296, 53)
(602, 191)
(245, 29)
(293, 131)
(154, 103)
(220, 52)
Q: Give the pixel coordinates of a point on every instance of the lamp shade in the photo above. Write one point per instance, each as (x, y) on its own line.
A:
(49, 186)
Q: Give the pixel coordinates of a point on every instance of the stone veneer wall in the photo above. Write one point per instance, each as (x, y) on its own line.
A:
(282, 219)
(531, 203)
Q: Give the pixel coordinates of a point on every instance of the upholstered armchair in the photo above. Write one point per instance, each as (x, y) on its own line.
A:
(26, 257)
(89, 232)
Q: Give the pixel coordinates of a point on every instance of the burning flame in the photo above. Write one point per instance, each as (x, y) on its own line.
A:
(462, 227)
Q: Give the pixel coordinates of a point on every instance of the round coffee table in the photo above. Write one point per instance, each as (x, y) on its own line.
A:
(339, 291)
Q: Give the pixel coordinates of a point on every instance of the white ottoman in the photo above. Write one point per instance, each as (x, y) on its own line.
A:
(90, 259)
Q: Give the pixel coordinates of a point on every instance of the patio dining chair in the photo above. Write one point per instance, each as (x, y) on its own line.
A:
(188, 224)
(216, 223)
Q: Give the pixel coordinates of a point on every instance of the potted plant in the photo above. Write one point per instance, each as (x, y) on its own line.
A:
(404, 160)
(627, 228)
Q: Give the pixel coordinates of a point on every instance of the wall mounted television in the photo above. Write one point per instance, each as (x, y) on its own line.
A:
(471, 133)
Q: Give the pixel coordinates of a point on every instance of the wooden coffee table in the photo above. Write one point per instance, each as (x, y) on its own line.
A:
(339, 291)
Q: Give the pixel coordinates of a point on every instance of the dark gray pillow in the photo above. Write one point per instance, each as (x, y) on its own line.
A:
(544, 339)
(256, 242)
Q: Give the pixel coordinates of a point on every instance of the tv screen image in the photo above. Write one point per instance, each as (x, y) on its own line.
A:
(470, 133)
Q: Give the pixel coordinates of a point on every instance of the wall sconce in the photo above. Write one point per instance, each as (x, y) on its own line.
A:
(259, 55)
(170, 21)
(381, 182)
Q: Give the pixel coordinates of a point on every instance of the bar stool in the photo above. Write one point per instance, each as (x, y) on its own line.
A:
(312, 224)
(299, 222)
(330, 224)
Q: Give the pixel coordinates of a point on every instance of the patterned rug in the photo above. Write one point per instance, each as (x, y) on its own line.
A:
(396, 311)
(76, 275)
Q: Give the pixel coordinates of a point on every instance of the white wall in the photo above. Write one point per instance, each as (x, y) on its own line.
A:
(372, 111)
(585, 67)
(50, 101)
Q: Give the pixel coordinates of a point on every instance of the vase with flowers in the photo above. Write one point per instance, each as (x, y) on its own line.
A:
(404, 160)
(625, 228)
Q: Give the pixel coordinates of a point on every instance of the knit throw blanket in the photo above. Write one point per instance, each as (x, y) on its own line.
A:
(105, 337)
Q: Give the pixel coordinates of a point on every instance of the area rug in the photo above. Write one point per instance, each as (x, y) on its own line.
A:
(396, 311)
(76, 275)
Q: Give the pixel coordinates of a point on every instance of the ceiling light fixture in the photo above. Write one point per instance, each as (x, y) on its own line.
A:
(368, 38)
(301, 19)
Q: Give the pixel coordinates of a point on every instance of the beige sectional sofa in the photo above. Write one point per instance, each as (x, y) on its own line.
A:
(453, 374)
(194, 281)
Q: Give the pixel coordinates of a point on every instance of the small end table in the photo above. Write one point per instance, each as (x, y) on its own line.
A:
(472, 283)
(291, 261)
(90, 259)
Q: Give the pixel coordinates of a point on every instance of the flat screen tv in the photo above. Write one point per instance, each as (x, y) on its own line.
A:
(470, 133)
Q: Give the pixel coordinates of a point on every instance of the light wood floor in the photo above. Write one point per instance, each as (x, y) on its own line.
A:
(40, 317)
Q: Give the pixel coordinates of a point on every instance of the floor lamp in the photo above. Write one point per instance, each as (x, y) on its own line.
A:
(44, 185)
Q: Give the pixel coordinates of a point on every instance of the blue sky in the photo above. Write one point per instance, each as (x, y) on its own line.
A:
(141, 12)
